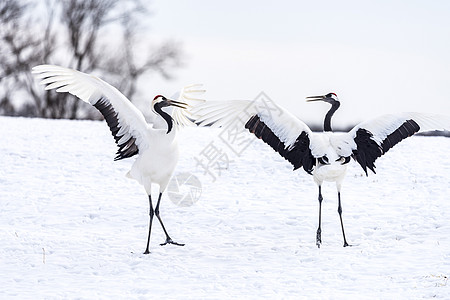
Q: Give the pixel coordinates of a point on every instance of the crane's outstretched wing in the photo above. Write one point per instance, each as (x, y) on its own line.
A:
(278, 128)
(188, 94)
(369, 140)
(126, 122)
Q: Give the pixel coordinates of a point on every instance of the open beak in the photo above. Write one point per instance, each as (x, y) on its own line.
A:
(315, 98)
(177, 104)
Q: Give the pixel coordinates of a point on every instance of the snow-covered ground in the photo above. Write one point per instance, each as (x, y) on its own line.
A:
(72, 226)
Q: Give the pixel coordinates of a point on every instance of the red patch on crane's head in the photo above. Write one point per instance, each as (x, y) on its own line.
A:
(332, 95)
(157, 96)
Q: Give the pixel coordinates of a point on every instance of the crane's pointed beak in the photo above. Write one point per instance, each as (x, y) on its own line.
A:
(315, 98)
(177, 104)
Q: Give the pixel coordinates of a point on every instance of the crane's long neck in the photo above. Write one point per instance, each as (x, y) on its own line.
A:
(165, 116)
(327, 122)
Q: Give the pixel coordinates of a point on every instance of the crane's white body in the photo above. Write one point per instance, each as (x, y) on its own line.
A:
(324, 155)
(154, 144)
(334, 145)
(157, 163)
(335, 171)
(158, 150)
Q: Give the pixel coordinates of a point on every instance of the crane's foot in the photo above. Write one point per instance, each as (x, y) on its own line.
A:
(319, 238)
(169, 241)
(147, 252)
(346, 244)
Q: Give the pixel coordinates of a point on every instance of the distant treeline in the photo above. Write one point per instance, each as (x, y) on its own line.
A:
(319, 128)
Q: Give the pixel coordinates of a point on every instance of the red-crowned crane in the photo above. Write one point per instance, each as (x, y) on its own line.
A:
(324, 155)
(155, 145)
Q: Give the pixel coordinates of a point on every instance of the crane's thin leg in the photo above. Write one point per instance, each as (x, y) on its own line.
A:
(340, 216)
(168, 239)
(319, 230)
(150, 224)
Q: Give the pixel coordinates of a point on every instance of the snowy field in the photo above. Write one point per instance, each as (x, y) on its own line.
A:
(72, 226)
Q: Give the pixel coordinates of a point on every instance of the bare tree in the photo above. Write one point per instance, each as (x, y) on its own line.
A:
(16, 50)
(69, 33)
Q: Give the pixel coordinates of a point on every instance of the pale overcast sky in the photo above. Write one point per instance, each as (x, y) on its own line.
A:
(378, 56)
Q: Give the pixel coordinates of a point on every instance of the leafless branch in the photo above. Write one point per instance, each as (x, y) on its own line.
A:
(72, 33)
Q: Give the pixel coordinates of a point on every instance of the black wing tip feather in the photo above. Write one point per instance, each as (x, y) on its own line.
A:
(127, 148)
(368, 150)
(407, 129)
(299, 154)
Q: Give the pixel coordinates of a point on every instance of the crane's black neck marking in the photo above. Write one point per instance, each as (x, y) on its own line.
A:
(327, 122)
(166, 116)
